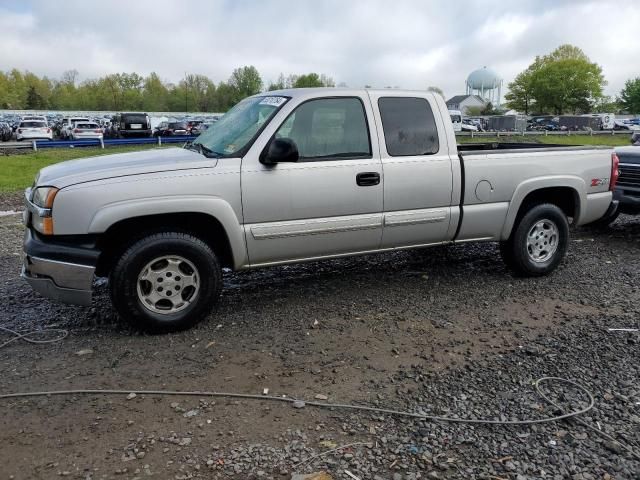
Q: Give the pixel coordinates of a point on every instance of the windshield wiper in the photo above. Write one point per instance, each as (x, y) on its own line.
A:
(207, 152)
(201, 149)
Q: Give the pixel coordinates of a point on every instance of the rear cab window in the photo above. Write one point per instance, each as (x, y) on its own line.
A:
(33, 124)
(409, 126)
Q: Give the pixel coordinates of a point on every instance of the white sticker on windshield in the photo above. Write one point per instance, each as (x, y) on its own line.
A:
(275, 101)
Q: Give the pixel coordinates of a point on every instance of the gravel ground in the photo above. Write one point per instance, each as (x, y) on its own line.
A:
(445, 331)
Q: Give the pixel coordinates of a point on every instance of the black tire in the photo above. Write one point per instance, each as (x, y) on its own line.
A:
(124, 288)
(537, 258)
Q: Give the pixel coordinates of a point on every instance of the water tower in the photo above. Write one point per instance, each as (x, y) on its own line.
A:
(485, 83)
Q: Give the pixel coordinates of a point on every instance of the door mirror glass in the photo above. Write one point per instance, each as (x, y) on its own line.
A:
(280, 150)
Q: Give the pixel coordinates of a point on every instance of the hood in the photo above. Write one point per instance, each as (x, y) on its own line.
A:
(629, 154)
(101, 167)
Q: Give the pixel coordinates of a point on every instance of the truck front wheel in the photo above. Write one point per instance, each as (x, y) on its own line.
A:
(538, 242)
(166, 282)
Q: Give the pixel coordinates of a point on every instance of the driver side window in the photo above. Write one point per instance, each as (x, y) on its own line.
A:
(328, 128)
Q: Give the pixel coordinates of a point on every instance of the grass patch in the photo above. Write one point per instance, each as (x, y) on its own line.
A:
(18, 171)
(596, 140)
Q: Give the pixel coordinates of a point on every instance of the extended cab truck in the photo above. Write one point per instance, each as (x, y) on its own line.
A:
(293, 176)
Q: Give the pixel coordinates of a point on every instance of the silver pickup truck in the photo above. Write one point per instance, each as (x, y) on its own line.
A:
(294, 176)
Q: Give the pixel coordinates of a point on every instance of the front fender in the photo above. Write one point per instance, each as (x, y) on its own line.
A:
(212, 206)
(577, 184)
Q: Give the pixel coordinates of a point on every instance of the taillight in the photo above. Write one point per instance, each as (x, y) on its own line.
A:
(76, 130)
(98, 131)
(615, 172)
(48, 130)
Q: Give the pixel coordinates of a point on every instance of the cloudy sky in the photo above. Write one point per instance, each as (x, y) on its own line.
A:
(410, 44)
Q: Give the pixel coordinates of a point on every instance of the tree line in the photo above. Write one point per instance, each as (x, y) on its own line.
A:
(567, 81)
(564, 81)
(131, 91)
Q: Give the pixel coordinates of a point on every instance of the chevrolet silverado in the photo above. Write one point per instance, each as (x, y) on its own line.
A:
(294, 176)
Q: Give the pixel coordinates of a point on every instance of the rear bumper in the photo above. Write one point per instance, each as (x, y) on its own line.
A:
(59, 272)
(135, 133)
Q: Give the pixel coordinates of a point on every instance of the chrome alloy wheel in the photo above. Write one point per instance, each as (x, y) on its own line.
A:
(542, 240)
(168, 284)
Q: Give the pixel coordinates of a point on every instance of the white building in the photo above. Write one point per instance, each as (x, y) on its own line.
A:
(464, 102)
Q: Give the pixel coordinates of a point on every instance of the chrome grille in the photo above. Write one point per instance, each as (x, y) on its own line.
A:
(629, 175)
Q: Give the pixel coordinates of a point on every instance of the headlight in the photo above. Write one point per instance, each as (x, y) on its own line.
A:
(43, 197)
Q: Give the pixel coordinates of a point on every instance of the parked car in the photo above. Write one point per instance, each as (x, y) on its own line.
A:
(193, 127)
(206, 125)
(542, 123)
(170, 128)
(468, 126)
(131, 125)
(625, 125)
(68, 123)
(33, 130)
(6, 132)
(86, 130)
(297, 176)
(456, 120)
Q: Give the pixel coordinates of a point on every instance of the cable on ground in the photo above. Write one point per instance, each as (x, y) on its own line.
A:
(399, 413)
(60, 335)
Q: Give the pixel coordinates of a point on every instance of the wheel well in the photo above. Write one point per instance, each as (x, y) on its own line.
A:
(119, 236)
(565, 198)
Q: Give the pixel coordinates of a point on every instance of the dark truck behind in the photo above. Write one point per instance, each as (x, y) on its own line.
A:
(131, 125)
(627, 191)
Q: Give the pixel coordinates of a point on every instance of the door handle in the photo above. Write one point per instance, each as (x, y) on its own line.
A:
(368, 179)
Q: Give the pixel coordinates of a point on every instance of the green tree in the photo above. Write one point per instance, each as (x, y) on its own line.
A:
(155, 94)
(278, 85)
(563, 81)
(630, 95)
(520, 95)
(474, 111)
(606, 104)
(489, 110)
(34, 100)
(245, 81)
(310, 80)
(226, 97)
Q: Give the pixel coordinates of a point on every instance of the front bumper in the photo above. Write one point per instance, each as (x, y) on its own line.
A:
(629, 199)
(53, 270)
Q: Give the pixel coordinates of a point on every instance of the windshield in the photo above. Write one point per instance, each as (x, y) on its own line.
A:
(239, 126)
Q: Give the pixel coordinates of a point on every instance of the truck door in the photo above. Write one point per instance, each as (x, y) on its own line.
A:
(417, 168)
(330, 201)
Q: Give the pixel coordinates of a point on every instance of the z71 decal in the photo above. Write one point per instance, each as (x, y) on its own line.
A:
(596, 182)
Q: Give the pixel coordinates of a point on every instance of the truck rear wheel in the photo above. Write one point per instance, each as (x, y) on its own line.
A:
(538, 242)
(166, 282)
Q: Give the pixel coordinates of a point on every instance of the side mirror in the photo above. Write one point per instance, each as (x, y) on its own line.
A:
(280, 150)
